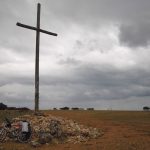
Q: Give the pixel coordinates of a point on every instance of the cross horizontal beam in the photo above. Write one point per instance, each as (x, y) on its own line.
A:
(34, 28)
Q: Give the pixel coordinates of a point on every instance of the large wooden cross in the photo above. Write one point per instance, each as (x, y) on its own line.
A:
(38, 30)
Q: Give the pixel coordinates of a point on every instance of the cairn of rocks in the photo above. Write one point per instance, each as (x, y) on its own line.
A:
(46, 128)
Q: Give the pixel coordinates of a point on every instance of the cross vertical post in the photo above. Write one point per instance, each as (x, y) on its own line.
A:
(37, 59)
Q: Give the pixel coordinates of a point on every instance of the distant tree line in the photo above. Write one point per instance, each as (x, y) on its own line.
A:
(73, 108)
(146, 108)
(5, 107)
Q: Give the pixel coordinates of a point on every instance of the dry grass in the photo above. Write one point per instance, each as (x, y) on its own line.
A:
(123, 130)
(11, 114)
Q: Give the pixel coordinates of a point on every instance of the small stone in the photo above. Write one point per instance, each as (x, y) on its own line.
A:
(45, 138)
(35, 143)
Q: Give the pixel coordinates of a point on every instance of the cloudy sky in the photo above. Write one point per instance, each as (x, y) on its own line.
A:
(100, 59)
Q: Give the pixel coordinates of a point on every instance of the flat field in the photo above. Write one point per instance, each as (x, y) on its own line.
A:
(123, 130)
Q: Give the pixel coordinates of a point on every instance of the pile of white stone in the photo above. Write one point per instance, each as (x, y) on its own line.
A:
(46, 128)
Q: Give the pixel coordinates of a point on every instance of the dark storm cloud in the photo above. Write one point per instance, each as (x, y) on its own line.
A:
(132, 17)
(90, 83)
(135, 35)
(114, 84)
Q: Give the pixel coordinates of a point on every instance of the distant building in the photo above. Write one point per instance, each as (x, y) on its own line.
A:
(90, 108)
(3, 106)
(64, 108)
(75, 108)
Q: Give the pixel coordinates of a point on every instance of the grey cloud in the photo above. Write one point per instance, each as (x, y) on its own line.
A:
(17, 95)
(135, 35)
(13, 38)
(16, 80)
(132, 16)
(86, 85)
(93, 84)
(69, 61)
(97, 81)
(98, 9)
(89, 44)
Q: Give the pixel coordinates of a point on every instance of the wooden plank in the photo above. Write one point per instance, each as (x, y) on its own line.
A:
(34, 28)
(37, 60)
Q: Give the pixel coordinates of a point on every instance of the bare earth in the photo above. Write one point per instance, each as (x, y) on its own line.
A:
(123, 130)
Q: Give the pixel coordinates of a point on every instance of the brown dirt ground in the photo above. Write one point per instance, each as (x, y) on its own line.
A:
(122, 131)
